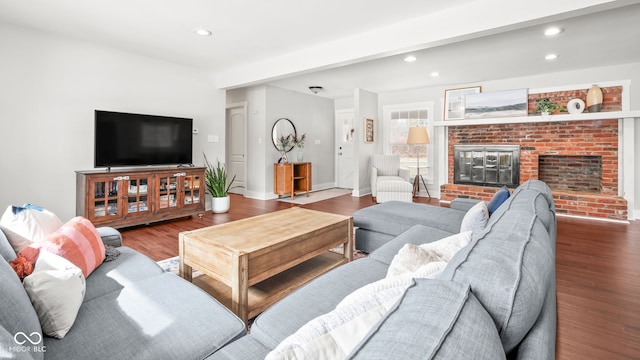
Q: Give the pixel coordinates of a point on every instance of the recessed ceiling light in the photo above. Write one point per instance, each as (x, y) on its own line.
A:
(551, 57)
(435, 74)
(553, 31)
(410, 58)
(202, 32)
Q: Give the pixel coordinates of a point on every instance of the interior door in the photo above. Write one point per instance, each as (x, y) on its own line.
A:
(346, 168)
(236, 146)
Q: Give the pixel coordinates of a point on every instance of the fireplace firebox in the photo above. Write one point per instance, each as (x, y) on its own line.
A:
(487, 165)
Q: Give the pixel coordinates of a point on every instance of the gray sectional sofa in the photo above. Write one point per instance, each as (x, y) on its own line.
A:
(495, 298)
(132, 309)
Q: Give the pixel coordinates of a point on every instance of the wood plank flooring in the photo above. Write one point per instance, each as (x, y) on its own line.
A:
(597, 272)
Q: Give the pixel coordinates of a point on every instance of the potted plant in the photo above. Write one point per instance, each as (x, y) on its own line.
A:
(299, 143)
(283, 144)
(217, 186)
(546, 106)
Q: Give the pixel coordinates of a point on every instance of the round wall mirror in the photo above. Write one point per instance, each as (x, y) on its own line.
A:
(282, 127)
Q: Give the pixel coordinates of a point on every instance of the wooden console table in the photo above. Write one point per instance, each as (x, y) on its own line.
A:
(292, 178)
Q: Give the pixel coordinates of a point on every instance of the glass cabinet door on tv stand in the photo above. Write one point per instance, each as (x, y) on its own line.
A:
(178, 190)
(115, 197)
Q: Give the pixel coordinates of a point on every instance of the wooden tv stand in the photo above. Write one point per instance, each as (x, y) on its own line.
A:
(139, 196)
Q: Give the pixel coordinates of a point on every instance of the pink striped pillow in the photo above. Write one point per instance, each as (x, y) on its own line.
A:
(77, 241)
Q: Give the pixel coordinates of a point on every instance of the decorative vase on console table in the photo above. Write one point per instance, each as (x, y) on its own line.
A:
(299, 143)
(594, 99)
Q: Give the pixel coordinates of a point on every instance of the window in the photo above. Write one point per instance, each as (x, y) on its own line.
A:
(397, 121)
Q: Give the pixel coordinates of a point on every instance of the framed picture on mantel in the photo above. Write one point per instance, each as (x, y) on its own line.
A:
(454, 100)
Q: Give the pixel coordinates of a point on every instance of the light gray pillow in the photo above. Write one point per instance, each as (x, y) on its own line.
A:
(476, 218)
(433, 320)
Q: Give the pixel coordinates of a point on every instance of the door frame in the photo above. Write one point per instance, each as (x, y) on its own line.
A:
(338, 137)
(238, 105)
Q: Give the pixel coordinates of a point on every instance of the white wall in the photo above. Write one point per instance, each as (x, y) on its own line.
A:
(50, 89)
(365, 106)
(311, 114)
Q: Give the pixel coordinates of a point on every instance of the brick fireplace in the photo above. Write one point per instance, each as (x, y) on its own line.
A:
(583, 154)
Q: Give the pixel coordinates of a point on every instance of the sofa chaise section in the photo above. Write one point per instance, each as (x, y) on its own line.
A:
(132, 309)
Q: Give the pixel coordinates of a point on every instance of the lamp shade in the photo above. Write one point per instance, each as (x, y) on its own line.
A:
(418, 135)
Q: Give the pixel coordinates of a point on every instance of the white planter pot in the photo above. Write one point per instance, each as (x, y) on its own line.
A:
(220, 204)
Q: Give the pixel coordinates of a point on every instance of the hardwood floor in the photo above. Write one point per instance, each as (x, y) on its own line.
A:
(597, 272)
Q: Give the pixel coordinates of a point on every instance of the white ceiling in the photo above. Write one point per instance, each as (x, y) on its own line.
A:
(342, 45)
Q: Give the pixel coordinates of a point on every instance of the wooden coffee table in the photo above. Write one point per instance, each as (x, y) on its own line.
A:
(264, 258)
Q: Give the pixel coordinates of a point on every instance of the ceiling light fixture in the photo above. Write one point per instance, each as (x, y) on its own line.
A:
(203, 32)
(435, 74)
(410, 58)
(315, 89)
(552, 31)
(551, 57)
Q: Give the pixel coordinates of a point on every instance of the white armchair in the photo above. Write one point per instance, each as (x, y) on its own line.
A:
(388, 180)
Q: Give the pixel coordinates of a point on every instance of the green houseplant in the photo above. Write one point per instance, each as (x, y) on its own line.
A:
(546, 106)
(217, 185)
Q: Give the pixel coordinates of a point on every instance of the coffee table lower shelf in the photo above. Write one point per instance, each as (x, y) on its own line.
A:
(269, 291)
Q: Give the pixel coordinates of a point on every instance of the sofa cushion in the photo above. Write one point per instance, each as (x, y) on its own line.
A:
(6, 250)
(433, 320)
(110, 236)
(531, 201)
(416, 235)
(247, 347)
(497, 199)
(509, 267)
(9, 346)
(16, 313)
(476, 218)
(163, 317)
(56, 289)
(318, 297)
(77, 241)
(128, 268)
(412, 257)
(333, 335)
(395, 217)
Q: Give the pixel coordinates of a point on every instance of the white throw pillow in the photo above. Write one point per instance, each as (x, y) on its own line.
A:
(335, 334)
(412, 257)
(476, 218)
(29, 223)
(56, 289)
(447, 247)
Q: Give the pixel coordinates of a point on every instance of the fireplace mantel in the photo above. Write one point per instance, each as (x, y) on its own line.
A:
(605, 115)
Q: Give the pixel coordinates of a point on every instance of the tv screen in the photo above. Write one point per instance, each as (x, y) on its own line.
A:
(123, 139)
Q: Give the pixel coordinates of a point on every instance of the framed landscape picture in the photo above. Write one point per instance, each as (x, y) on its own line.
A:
(368, 130)
(454, 101)
(496, 104)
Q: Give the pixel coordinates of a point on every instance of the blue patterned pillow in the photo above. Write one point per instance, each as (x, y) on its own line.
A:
(498, 198)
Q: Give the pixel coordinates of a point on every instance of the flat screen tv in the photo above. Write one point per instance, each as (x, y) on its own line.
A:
(124, 139)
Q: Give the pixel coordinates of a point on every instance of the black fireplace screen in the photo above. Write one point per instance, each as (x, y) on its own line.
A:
(487, 165)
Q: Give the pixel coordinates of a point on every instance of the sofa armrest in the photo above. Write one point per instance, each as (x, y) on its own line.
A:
(110, 236)
(463, 204)
(404, 173)
(374, 181)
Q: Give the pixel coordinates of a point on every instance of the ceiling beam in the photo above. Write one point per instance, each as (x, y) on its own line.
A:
(465, 22)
